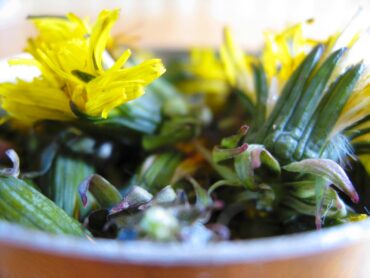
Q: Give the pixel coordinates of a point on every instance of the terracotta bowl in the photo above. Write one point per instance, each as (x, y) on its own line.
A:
(342, 251)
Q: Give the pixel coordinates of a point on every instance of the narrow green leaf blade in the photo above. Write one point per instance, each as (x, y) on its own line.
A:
(21, 203)
(328, 169)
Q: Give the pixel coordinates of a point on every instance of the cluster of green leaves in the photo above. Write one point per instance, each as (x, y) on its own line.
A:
(178, 172)
(135, 148)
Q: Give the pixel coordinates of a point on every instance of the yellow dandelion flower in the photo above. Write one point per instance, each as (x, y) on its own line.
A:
(206, 74)
(74, 73)
(237, 65)
(281, 55)
(284, 51)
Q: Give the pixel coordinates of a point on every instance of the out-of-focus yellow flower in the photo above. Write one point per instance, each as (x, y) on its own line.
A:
(237, 66)
(74, 73)
(284, 51)
(282, 54)
(206, 73)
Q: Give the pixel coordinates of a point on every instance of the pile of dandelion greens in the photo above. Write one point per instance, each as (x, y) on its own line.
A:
(225, 145)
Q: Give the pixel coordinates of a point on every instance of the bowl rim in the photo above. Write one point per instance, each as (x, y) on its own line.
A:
(180, 254)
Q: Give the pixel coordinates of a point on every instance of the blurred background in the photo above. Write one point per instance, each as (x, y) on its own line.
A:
(178, 24)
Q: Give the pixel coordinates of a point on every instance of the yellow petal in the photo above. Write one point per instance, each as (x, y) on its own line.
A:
(237, 66)
(99, 37)
(32, 101)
